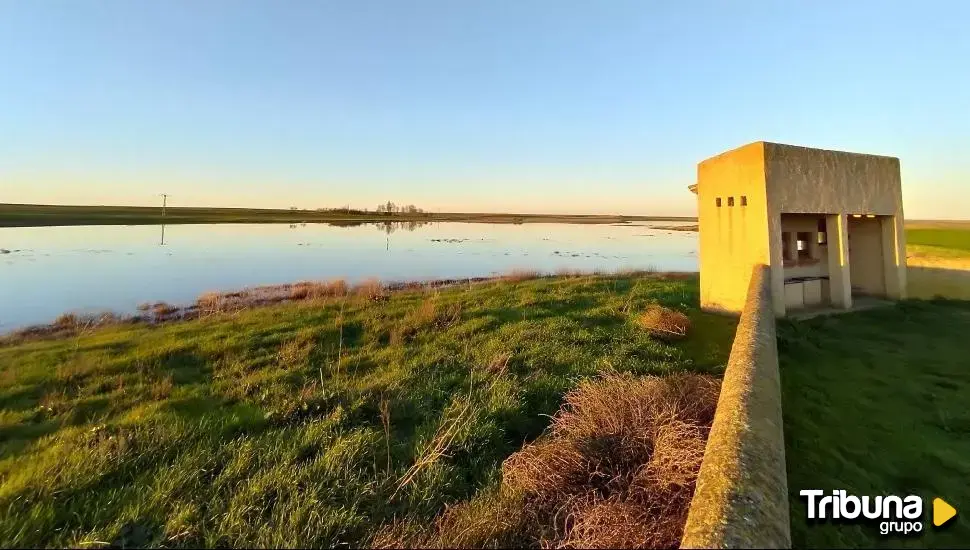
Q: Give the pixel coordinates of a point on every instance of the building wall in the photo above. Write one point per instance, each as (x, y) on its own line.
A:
(801, 179)
(819, 181)
(782, 179)
(866, 256)
(732, 238)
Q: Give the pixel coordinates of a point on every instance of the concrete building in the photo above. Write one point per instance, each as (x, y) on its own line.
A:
(829, 224)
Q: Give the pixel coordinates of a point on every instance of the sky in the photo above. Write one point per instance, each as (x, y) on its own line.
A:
(558, 106)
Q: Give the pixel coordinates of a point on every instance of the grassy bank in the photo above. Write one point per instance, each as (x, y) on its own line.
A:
(875, 402)
(30, 215)
(316, 423)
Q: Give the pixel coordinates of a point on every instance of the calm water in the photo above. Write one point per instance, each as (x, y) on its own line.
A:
(50, 270)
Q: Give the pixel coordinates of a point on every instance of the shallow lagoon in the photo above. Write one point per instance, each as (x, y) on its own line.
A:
(46, 271)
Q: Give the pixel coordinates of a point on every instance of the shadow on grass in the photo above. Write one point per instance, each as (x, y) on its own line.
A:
(875, 403)
(932, 282)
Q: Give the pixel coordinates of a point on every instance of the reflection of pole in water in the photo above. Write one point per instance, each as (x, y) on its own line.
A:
(163, 235)
(388, 245)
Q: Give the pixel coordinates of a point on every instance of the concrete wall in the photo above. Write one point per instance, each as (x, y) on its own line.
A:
(866, 256)
(894, 257)
(814, 181)
(741, 499)
(732, 238)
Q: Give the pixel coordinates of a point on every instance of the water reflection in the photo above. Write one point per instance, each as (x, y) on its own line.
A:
(387, 227)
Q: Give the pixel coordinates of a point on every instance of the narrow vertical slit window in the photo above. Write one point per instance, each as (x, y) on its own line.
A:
(744, 200)
(730, 201)
(717, 201)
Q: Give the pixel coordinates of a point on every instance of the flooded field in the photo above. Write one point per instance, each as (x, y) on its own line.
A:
(46, 271)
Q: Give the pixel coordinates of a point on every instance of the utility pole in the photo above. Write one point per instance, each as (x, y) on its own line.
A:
(164, 203)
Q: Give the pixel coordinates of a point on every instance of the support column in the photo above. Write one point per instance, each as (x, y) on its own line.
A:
(813, 247)
(792, 245)
(894, 258)
(775, 260)
(840, 282)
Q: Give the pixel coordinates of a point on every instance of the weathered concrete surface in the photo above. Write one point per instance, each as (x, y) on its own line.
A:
(743, 194)
(741, 500)
(732, 237)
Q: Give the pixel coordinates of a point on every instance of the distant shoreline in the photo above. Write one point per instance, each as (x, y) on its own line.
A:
(41, 215)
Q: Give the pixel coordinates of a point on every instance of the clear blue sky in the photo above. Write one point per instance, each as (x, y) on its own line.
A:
(513, 105)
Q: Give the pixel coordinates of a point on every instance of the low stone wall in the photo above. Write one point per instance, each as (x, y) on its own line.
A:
(741, 499)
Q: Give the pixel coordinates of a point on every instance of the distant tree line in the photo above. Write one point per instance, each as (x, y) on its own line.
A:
(387, 208)
(345, 209)
(391, 208)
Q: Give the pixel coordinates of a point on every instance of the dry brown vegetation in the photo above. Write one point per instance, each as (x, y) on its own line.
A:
(664, 323)
(372, 289)
(518, 275)
(304, 290)
(616, 469)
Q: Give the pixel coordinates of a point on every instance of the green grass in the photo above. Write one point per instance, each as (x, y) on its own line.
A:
(875, 402)
(265, 429)
(32, 215)
(957, 239)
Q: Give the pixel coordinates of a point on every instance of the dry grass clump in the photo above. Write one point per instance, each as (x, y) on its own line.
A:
(210, 303)
(517, 275)
(614, 523)
(616, 470)
(304, 290)
(371, 289)
(620, 461)
(664, 323)
(162, 309)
